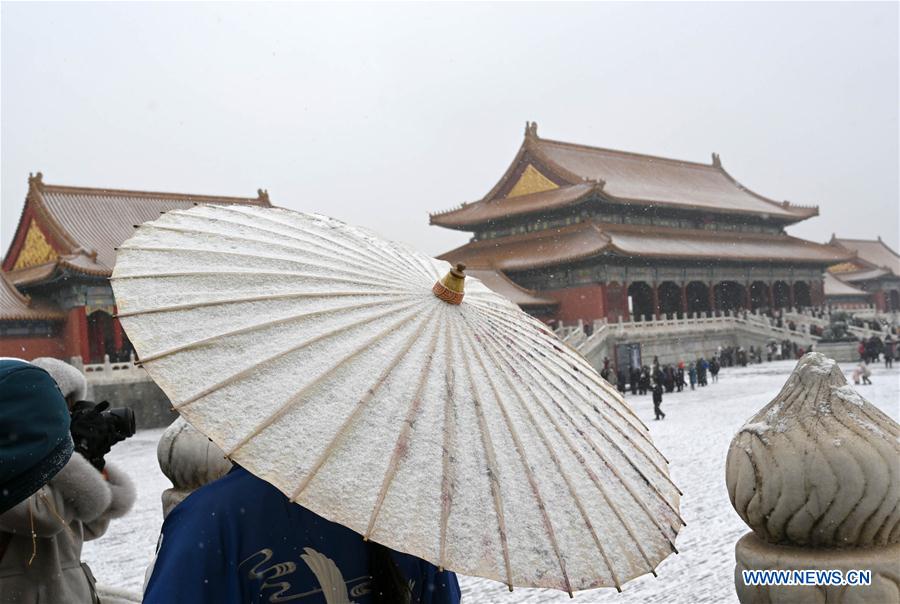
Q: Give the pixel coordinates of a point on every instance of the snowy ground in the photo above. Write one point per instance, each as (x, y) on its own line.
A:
(695, 436)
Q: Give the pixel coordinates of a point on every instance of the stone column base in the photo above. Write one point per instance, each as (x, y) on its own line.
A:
(752, 553)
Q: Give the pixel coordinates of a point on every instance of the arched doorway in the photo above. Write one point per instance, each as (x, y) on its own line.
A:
(729, 295)
(640, 294)
(759, 295)
(101, 340)
(669, 298)
(802, 296)
(697, 297)
(781, 294)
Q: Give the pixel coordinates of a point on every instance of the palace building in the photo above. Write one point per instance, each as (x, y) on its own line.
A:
(55, 297)
(873, 273)
(609, 234)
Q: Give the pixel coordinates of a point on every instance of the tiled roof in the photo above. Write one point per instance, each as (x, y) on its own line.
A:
(864, 275)
(875, 252)
(16, 307)
(501, 284)
(532, 250)
(484, 211)
(836, 287)
(588, 239)
(90, 222)
(623, 177)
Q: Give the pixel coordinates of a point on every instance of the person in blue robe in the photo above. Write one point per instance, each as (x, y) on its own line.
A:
(239, 540)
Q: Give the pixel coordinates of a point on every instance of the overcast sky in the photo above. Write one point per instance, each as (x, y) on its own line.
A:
(378, 114)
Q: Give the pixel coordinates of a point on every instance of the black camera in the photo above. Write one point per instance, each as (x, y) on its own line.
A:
(96, 428)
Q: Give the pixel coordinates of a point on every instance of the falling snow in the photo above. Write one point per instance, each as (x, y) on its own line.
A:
(695, 436)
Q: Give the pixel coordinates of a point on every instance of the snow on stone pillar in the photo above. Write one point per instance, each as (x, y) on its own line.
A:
(189, 460)
(816, 475)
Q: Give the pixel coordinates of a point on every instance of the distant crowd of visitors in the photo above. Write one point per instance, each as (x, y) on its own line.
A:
(657, 379)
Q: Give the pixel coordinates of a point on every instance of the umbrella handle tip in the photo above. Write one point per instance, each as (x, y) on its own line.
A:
(452, 287)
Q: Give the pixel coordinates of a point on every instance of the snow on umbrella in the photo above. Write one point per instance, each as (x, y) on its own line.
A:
(354, 375)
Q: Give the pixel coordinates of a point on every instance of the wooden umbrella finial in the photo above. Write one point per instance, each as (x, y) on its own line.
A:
(452, 287)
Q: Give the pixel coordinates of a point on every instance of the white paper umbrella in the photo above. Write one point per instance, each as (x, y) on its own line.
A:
(318, 357)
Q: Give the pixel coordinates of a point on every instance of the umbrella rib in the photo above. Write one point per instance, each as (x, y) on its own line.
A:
(320, 251)
(263, 298)
(289, 260)
(582, 366)
(391, 261)
(565, 377)
(278, 413)
(622, 480)
(360, 405)
(255, 327)
(559, 466)
(255, 367)
(245, 273)
(450, 421)
(401, 448)
(562, 376)
(601, 431)
(586, 370)
(532, 481)
(609, 502)
(493, 475)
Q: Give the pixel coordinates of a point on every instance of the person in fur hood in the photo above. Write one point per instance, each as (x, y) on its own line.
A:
(41, 538)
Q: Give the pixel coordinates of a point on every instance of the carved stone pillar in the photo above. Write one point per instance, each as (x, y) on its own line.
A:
(816, 475)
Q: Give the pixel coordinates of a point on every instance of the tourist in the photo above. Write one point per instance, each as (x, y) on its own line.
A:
(621, 381)
(714, 370)
(239, 539)
(702, 368)
(679, 376)
(669, 378)
(889, 351)
(865, 373)
(658, 396)
(644, 384)
(633, 378)
(32, 407)
(692, 375)
(606, 371)
(43, 535)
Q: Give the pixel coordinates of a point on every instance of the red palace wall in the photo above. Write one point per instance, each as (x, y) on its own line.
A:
(616, 301)
(32, 347)
(584, 302)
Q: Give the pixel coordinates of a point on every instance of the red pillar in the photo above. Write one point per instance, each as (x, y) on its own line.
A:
(712, 297)
(76, 334)
(625, 314)
(655, 301)
(747, 303)
(684, 300)
(118, 340)
(791, 294)
(770, 295)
